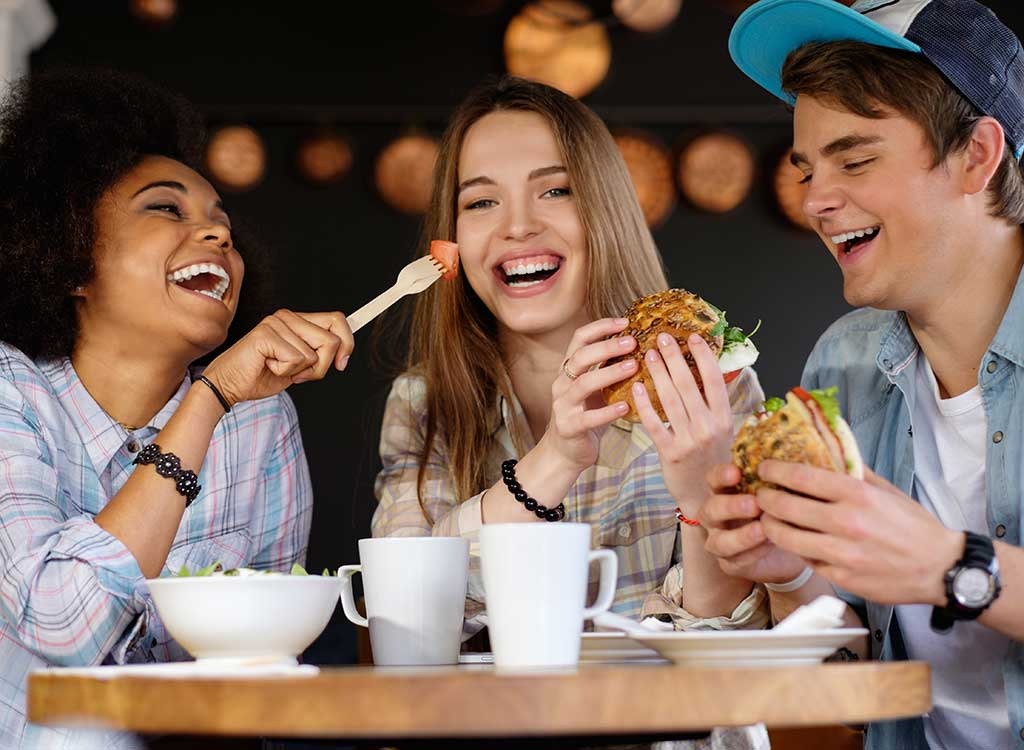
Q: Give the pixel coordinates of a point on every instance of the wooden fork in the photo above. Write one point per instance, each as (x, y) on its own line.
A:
(412, 279)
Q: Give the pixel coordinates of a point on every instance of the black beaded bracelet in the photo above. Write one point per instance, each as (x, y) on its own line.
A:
(508, 476)
(168, 465)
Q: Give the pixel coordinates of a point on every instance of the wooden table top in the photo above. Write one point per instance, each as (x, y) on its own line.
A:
(477, 701)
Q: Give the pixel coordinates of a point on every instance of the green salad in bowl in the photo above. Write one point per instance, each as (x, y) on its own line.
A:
(245, 614)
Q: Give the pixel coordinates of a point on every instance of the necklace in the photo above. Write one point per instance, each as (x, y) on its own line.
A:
(127, 428)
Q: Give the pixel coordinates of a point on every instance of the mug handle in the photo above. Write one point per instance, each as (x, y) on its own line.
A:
(609, 577)
(348, 601)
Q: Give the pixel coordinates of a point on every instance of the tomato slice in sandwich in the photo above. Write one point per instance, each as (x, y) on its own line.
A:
(447, 253)
(839, 439)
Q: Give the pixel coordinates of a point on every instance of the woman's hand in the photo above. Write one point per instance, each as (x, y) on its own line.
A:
(285, 348)
(579, 415)
(699, 432)
(736, 535)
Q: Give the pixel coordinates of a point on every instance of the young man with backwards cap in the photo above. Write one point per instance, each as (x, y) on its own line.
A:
(908, 128)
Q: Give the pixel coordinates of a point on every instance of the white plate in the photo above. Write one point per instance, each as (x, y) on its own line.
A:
(614, 647)
(748, 648)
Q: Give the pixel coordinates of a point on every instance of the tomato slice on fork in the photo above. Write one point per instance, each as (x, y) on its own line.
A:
(447, 253)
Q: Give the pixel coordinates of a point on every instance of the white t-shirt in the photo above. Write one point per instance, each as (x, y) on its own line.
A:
(950, 438)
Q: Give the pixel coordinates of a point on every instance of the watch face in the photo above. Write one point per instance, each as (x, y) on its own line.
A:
(972, 587)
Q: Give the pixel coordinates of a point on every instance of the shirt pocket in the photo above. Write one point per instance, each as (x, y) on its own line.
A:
(643, 533)
(231, 550)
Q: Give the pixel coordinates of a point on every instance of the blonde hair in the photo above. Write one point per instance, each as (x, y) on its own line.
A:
(453, 337)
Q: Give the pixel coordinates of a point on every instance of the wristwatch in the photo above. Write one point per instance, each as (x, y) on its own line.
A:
(972, 584)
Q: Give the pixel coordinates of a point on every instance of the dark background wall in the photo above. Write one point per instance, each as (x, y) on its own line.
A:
(375, 70)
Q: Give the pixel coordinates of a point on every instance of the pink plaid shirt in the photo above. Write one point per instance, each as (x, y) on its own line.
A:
(73, 595)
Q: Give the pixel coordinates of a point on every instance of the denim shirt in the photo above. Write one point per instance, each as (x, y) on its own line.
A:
(872, 356)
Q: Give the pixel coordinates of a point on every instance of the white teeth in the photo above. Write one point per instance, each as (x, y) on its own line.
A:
(839, 239)
(188, 272)
(197, 268)
(524, 284)
(512, 268)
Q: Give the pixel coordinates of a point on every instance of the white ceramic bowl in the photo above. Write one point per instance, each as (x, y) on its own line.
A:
(266, 618)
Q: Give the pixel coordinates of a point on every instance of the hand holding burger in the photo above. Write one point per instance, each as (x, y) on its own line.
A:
(678, 313)
(805, 428)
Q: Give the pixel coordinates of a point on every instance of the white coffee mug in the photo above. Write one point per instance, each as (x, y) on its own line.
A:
(415, 593)
(535, 582)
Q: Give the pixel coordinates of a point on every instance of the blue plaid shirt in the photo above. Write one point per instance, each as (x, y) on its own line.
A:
(73, 595)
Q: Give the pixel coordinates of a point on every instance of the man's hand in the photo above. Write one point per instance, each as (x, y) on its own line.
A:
(864, 536)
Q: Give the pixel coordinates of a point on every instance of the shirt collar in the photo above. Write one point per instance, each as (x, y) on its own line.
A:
(899, 347)
(102, 436)
(1009, 339)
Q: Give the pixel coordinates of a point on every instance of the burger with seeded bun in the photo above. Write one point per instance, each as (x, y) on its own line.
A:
(678, 313)
(804, 428)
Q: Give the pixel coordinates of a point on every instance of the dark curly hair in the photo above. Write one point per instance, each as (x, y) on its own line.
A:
(66, 137)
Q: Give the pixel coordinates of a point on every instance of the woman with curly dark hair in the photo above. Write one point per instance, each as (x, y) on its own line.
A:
(119, 459)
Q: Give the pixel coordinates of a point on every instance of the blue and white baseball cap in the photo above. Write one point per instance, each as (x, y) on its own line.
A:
(963, 39)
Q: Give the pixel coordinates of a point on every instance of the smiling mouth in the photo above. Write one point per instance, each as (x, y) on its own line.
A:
(847, 242)
(529, 271)
(208, 279)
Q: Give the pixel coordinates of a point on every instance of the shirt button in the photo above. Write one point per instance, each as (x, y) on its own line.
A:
(887, 363)
(1021, 733)
(624, 531)
(991, 366)
(878, 636)
(997, 436)
(133, 446)
(1000, 531)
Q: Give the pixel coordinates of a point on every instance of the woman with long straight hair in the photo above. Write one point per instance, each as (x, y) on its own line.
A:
(508, 362)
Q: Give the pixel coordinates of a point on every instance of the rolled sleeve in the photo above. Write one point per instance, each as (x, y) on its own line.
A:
(745, 396)
(752, 613)
(67, 587)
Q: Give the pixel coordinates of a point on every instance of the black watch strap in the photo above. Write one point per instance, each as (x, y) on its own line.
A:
(979, 552)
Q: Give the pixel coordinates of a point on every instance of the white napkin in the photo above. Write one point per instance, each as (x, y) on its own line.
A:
(824, 613)
(189, 669)
(613, 621)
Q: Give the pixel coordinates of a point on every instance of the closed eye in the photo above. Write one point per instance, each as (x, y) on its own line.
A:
(854, 165)
(170, 208)
(806, 179)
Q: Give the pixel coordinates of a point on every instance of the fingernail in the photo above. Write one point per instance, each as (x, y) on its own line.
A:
(664, 339)
(622, 407)
(629, 364)
(625, 342)
(637, 389)
(651, 355)
(344, 362)
(694, 339)
(622, 321)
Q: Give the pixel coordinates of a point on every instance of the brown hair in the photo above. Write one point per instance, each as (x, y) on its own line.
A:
(453, 337)
(860, 77)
